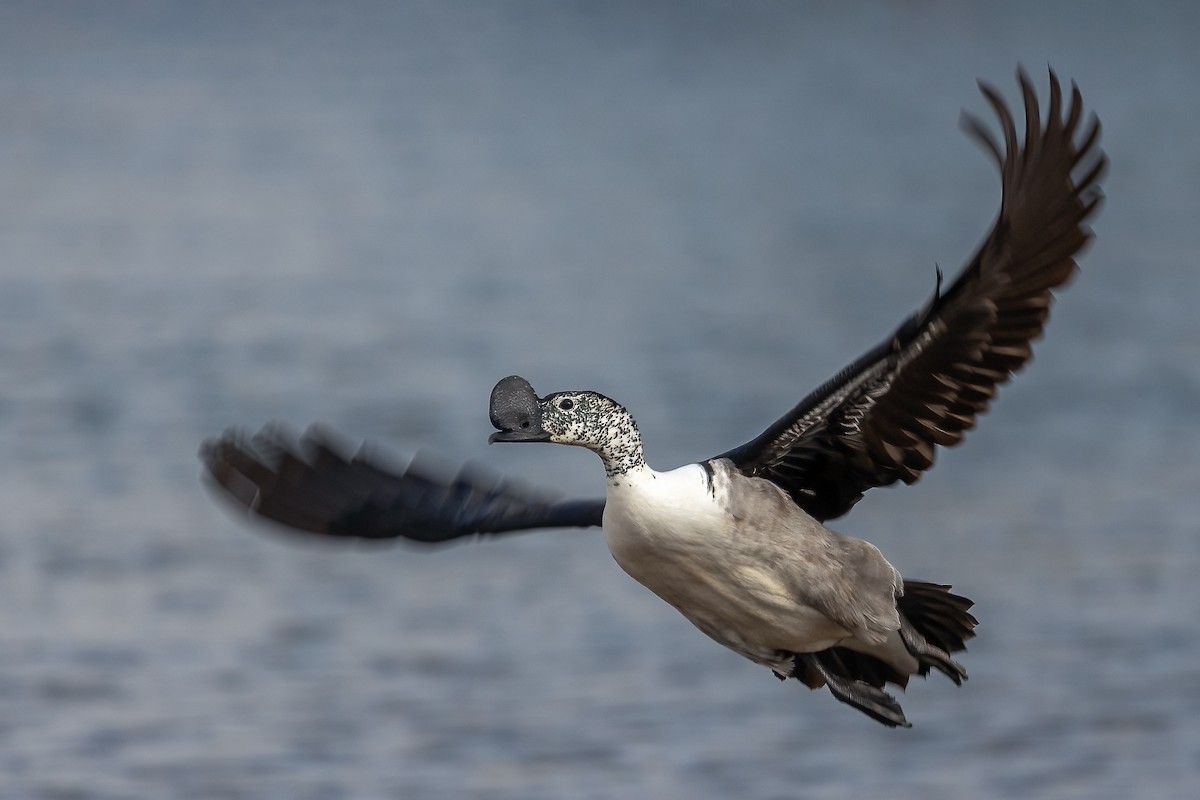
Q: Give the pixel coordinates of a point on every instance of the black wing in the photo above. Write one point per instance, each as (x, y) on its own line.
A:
(312, 484)
(878, 421)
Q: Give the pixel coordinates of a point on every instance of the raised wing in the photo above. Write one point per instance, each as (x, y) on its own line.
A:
(311, 484)
(878, 421)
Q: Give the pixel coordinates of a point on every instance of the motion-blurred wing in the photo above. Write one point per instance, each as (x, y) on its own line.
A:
(879, 420)
(312, 485)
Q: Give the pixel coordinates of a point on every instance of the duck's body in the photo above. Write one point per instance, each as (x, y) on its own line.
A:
(749, 568)
(738, 543)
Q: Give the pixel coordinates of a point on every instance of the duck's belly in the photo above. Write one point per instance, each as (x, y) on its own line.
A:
(736, 592)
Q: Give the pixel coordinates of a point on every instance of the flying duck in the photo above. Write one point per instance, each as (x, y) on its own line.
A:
(738, 543)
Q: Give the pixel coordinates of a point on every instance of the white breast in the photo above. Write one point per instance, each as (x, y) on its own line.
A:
(651, 511)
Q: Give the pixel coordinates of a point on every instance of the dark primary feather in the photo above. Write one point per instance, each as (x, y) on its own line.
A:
(312, 484)
(879, 420)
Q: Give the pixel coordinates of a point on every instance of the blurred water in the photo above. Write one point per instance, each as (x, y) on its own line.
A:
(220, 214)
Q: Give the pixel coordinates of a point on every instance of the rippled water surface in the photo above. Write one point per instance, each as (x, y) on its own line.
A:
(218, 214)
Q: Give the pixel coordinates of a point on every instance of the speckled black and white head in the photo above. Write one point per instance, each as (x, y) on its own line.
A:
(599, 423)
(583, 418)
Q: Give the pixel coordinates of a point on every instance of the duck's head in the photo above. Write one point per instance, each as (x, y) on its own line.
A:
(586, 419)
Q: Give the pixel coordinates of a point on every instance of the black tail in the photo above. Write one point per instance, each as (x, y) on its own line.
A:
(933, 624)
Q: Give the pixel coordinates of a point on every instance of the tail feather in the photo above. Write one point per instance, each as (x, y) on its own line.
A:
(942, 618)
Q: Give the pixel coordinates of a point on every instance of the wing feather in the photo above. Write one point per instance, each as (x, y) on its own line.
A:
(313, 484)
(881, 419)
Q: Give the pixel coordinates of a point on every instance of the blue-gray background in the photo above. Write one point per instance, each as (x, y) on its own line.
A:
(218, 214)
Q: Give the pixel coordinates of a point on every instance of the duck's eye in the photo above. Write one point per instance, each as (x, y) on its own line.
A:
(566, 404)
